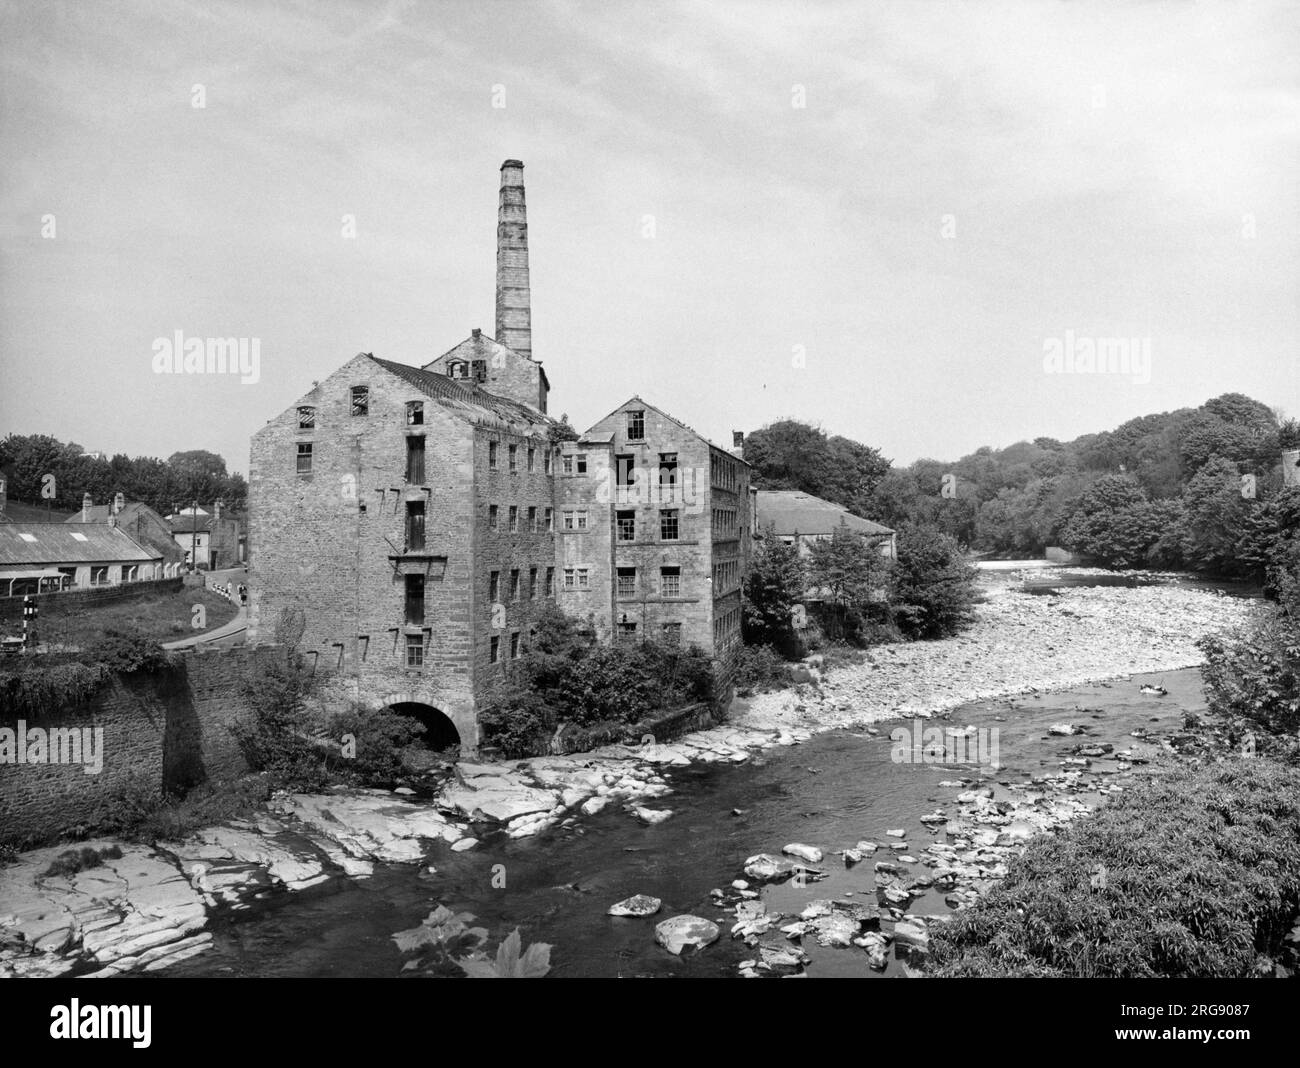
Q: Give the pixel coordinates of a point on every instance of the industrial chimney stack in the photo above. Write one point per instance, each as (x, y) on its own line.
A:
(514, 314)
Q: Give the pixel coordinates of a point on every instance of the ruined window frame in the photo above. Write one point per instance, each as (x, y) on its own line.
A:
(360, 401)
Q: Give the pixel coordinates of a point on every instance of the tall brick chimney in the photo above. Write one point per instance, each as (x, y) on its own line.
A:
(514, 313)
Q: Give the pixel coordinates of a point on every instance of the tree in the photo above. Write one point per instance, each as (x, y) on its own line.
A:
(933, 589)
(1215, 517)
(849, 571)
(789, 454)
(773, 587)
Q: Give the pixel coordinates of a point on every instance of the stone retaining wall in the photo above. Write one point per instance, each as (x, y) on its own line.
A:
(168, 730)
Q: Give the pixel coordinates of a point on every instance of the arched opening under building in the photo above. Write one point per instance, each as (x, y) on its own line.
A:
(439, 731)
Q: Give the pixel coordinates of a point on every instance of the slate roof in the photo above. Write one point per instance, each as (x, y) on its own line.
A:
(465, 396)
(795, 512)
(60, 543)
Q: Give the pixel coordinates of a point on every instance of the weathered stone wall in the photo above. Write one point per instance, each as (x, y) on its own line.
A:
(11, 608)
(169, 730)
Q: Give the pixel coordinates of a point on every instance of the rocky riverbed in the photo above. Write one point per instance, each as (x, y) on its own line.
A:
(151, 907)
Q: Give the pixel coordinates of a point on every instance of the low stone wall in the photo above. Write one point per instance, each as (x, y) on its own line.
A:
(11, 608)
(169, 730)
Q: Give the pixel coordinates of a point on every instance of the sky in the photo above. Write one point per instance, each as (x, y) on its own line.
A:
(890, 219)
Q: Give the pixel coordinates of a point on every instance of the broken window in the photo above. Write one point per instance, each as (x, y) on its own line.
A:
(414, 526)
(514, 645)
(668, 524)
(514, 458)
(514, 517)
(672, 633)
(514, 584)
(636, 426)
(550, 582)
(574, 520)
(626, 525)
(494, 649)
(532, 519)
(415, 461)
(415, 600)
(532, 583)
(627, 632)
(478, 369)
(550, 520)
(456, 369)
(580, 463)
(306, 418)
(492, 455)
(415, 413)
(304, 457)
(360, 400)
(532, 459)
(667, 469)
(494, 585)
(670, 582)
(624, 470)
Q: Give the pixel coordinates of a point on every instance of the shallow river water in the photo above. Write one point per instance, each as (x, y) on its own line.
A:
(829, 792)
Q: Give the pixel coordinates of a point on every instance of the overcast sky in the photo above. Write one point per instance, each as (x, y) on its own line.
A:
(965, 185)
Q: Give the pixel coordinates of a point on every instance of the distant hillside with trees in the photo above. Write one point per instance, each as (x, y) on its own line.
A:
(1163, 490)
(161, 484)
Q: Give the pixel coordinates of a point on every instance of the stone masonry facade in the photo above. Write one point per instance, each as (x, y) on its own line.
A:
(406, 525)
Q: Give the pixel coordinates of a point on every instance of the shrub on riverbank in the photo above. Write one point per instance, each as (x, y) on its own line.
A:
(1254, 680)
(567, 677)
(760, 668)
(379, 743)
(1196, 874)
(277, 736)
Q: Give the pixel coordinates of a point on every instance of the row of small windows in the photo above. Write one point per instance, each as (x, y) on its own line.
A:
(512, 458)
(414, 459)
(724, 523)
(726, 576)
(670, 632)
(575, 519)
(360, 405)
(670, 581)
(538, 522)
(516, 584)
(724, 473)
(519, 644)
(726, 628)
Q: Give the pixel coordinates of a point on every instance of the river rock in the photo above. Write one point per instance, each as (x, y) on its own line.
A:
(897, 833)
(636, 905)
(804, 852)
(768, 868)
(652, 815)
(686, 932)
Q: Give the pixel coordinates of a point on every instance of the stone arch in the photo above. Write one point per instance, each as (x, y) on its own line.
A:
(439, 730)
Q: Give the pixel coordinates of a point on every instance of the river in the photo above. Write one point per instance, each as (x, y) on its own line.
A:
(832, 791)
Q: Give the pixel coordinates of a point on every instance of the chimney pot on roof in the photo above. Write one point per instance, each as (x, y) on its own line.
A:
(478, 333)
(737, 438)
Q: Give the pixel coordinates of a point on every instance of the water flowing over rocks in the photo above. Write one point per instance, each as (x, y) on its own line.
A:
(150, 908)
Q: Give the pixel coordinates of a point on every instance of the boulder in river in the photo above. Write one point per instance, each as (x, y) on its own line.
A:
(685, 932)
(636, 905)
(766, 867)
(811, 854)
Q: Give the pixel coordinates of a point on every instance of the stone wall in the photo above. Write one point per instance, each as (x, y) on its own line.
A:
(11, 608)
(170, 730)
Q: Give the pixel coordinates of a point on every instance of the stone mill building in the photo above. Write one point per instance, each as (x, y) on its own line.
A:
(407, 524)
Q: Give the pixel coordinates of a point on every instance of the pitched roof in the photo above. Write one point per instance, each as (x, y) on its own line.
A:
(481, 347)
(672, 419)
(465, 397)
(61, 543)
(795, 512)
(99, 513)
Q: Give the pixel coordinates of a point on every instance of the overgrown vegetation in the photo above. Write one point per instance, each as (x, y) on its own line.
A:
(1193, 875)
(379, 743)
(1253, 680)
(933, 590)
(446, 946)
(279, 734)
(760, 668)
(567, 678)
(75, 860)
(1197, 488)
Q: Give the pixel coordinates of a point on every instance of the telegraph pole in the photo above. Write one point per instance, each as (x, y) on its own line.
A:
(30, 611)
